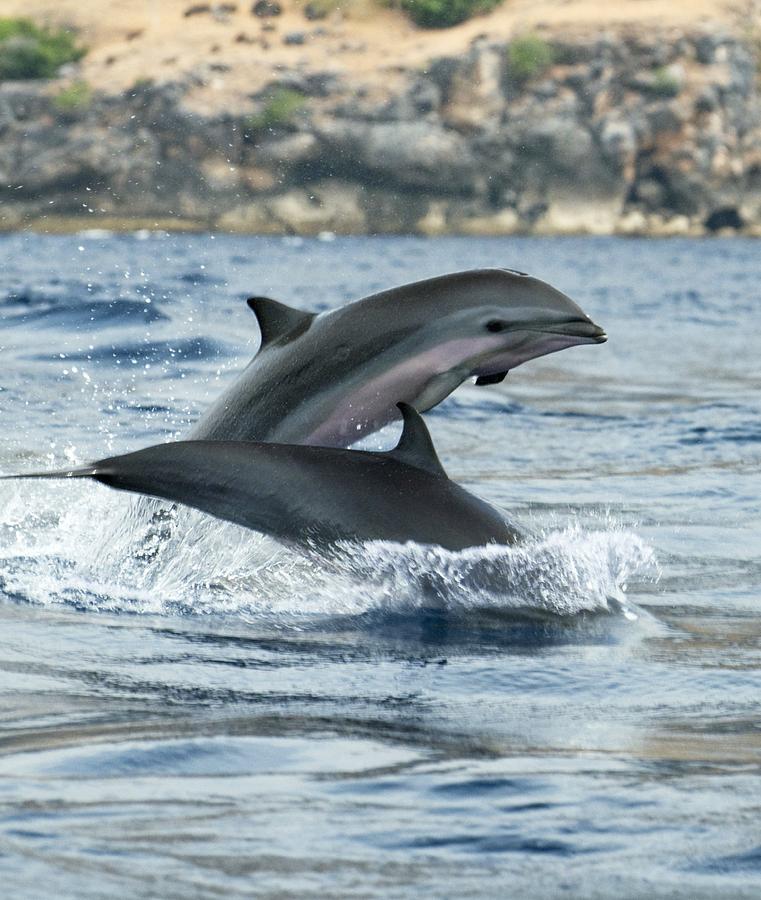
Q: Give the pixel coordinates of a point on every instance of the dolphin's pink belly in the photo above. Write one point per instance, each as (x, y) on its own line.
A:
(372, 404)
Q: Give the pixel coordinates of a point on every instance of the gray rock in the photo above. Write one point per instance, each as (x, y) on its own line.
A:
(265, 9)
(618, 142)
(293, 150)
(558, 147)
(665, 118)
(546, 89)
(707, 100)
(410, 153)
(322, 84)
(21, 102)
(572, 53)
(705, 48)
(660, 82)
(441, 72)
(314, 12)
(577, 80)
(421, 100)
(651, 193)
(474, 95)
(312, 84)
(424, 96)
(89, 156)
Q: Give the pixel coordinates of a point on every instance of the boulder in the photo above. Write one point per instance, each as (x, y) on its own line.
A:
(618, 144)
(434, 222)
(257, 179)
(21, 102)
(249, 218)
(218, 174)
(501, 222)
(266, 9)
(88, 156)
(315, 11)
(672, 226)
(632, 224)
(326, 206)
(570, 212)
(475, 98)
(416, 154)
(291, 150)
(558, 150)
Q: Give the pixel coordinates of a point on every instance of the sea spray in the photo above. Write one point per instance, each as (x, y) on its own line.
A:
(71, 545)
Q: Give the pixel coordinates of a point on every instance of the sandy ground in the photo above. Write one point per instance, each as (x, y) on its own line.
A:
(235, 53)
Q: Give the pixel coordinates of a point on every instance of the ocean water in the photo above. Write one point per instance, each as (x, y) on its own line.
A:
(581, 719)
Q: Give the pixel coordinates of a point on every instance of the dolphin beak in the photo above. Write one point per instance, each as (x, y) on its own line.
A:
(580, 328)
(597, 334)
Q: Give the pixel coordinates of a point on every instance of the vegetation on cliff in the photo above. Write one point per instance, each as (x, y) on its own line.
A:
(528, 56)
(445, 13)
(31, 51)
(280, 110)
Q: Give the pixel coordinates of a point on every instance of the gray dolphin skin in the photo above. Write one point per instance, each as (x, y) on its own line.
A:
(330, 379)
(312, 497)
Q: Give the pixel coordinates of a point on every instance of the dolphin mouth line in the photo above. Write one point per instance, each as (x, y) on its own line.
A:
(580, 329)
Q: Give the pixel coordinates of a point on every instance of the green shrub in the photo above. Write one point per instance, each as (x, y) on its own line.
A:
(78, 95)
(347, 9)
(528, 56)
(664, 84)
(280, 110)
(29, 51)
(445, 13)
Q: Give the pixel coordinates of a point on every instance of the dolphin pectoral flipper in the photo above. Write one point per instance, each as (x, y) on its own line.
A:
(491, 379)
(276, 320)
(415, 447)
(437, 388)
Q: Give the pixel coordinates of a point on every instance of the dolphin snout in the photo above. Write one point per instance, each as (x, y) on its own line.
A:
(581, 328)
(598, 334)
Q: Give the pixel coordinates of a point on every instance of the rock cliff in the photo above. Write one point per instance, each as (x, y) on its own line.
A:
(628, 132)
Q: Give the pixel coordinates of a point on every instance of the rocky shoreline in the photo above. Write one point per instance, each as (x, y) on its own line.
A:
(627, 133)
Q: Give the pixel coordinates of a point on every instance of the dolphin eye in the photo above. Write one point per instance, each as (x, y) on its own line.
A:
(496, 325)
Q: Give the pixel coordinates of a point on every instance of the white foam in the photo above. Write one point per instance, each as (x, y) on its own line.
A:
(73, 544)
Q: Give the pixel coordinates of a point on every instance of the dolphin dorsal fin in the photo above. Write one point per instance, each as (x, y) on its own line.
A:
(415, 447)
(278, 319)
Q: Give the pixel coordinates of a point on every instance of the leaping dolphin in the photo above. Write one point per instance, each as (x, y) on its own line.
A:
(312, 497)
(332, 378)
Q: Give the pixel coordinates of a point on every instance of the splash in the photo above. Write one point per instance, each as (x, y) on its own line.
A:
(71, 545)
(563, 573)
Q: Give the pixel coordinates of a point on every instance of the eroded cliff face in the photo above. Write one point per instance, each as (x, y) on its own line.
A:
(627, 133)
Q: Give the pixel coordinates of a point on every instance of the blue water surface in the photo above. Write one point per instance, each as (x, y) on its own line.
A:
(581, 718)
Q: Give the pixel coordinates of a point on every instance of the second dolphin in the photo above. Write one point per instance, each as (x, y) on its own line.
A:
(312, 498)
